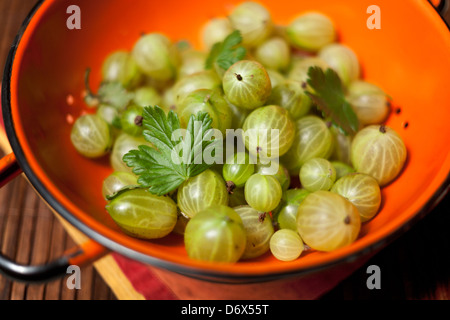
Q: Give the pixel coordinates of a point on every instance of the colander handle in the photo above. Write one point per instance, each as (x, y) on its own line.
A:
(442, 6)
(80, 255)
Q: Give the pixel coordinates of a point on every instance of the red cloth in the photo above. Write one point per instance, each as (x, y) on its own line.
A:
(143, 280)
(155, 284)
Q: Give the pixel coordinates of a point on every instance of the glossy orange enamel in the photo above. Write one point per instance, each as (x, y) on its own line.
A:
(409, 57)
(9, 169)
(87, 252)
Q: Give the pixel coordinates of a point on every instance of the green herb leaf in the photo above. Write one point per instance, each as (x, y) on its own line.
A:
(114, 94)
(116, 123)
(200, 142)
(110, 93)
(226, 53)
(183, 45)
(213, 54)
(328, 94)
(172, 160)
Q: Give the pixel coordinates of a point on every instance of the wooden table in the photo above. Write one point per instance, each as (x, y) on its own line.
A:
(416, 266)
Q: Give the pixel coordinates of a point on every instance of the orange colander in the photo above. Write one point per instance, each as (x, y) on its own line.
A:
(409, 57)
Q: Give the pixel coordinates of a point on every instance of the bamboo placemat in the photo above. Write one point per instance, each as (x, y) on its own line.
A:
(107, 266)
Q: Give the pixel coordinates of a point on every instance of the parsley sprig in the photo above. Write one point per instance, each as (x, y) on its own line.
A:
(155, 166)
(110, 93)
(227, 52)
(329, 96)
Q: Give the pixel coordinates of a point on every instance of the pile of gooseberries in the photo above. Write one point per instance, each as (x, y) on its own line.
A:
(327, 183)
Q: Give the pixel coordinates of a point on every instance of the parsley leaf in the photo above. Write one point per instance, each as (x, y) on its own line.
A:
(110, 93)
(173, 159)
(226, 53)
(329, 96)
(183, 45)
(114, 94)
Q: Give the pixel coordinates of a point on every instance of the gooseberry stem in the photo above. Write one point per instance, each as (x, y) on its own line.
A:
(230, 187)
(138, 121)
(347, 220)
(262, 217)
(91, 98)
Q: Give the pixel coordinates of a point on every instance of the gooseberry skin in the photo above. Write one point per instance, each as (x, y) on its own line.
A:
(313, 139)
(287, 216)
(142, 214)
(200, 192)
(343, 60)
(215, 30)
(108, 113)
(168, 100)
(368, 101)
(131, 120)
(290, 95)
(263, 193)
(342, 169)
(275, 77)
(261, 139)
(253, 21)
(274, 53)
(116, 181)
(317, 174)
(120, 66)
(299, 70)
(237, 198)
(146, 96)
(327, 221)
(181, 224)
(215, 234)
(160, 85)
(238, 170)
(91, 136)
(123, 144)
(192, 61)
(201, 80)
(238, 115)
(379, 151)
(311, 31)
(361, 190)
(286, 245)
(342, 146)
(206, 100)
(154, 56)
(246, 84)
(282, 174)
(258, 228)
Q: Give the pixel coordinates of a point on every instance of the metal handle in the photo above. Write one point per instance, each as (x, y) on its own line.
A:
(80, 255)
